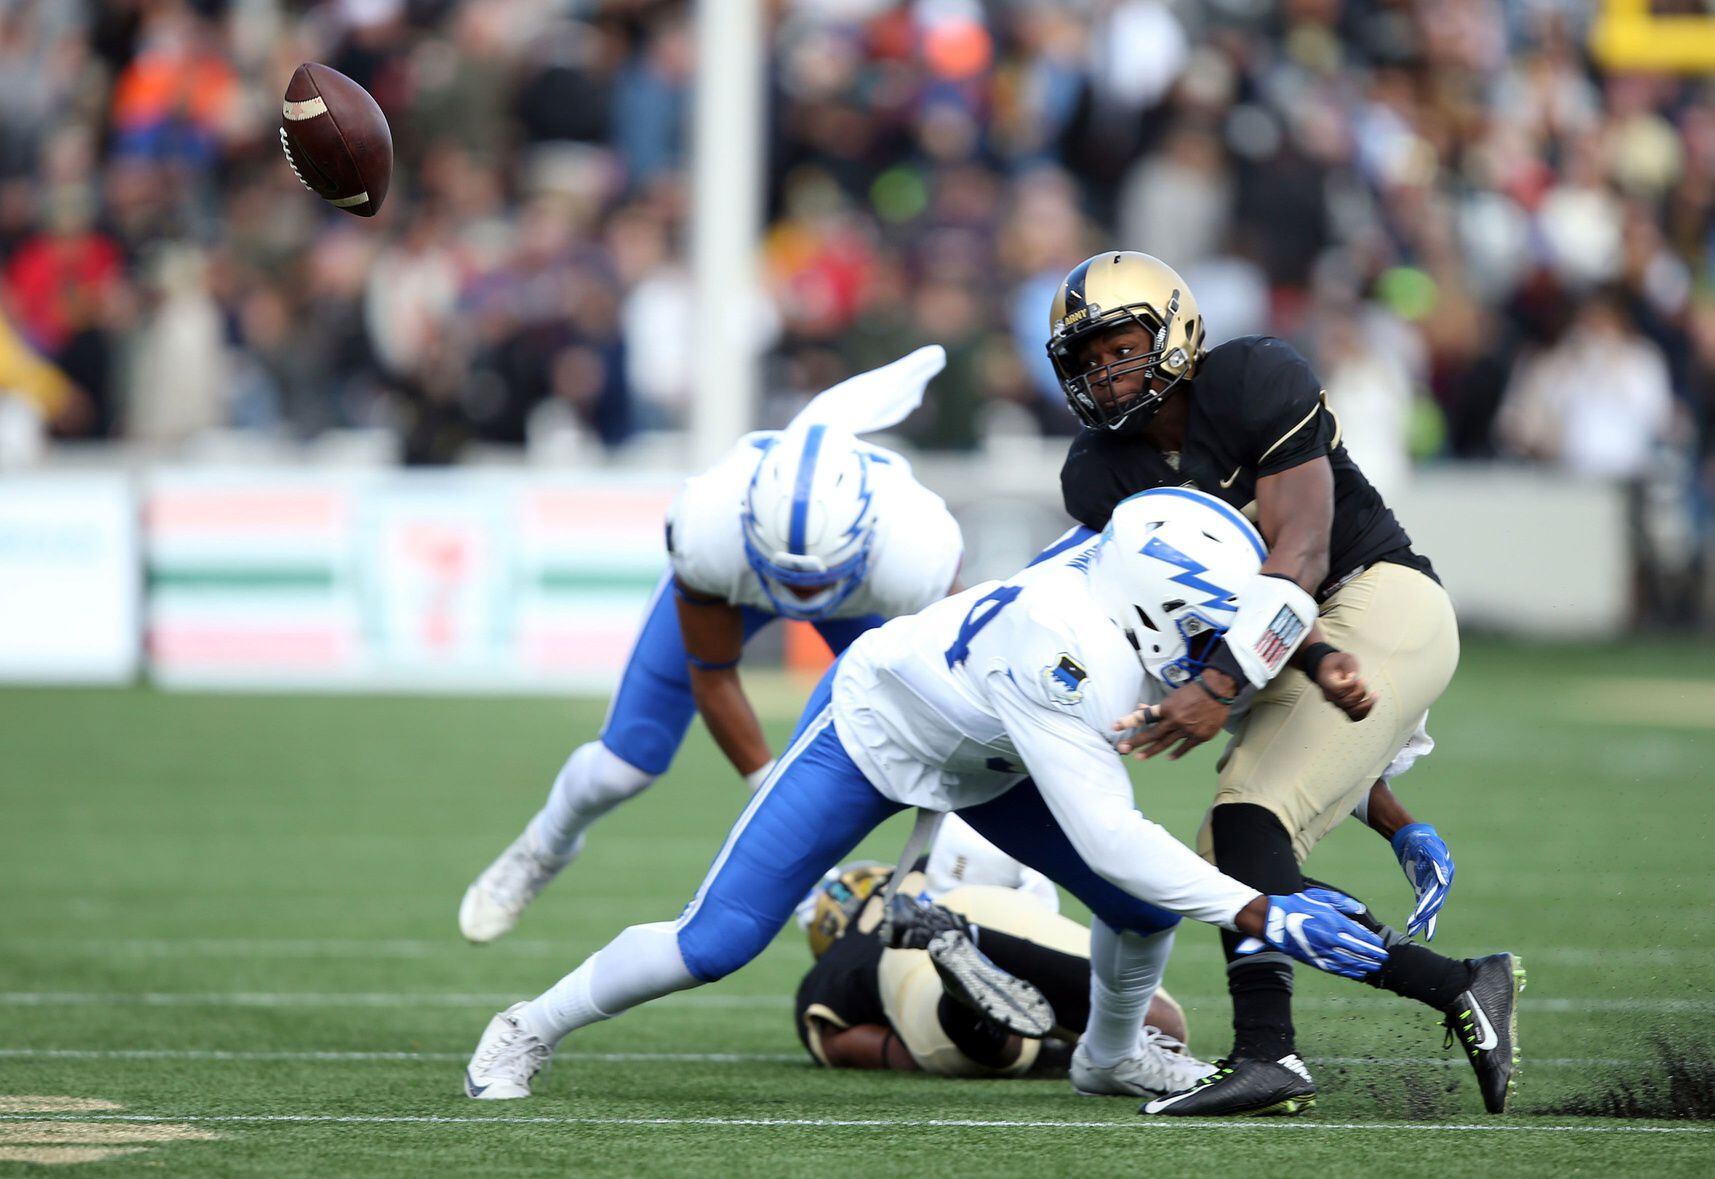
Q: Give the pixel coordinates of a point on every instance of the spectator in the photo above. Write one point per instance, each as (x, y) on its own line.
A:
(933, 168)
(1370, 389)
(27, 379)
(178, 385)
(1597, 403)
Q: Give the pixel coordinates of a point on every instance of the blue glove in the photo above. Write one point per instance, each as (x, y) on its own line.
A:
(1312, 927)
(1429, 866)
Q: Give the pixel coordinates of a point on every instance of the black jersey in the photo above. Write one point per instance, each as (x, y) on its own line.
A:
(845, 983)
(1256, 409)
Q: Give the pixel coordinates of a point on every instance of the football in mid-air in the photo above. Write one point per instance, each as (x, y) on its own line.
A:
(336, 139)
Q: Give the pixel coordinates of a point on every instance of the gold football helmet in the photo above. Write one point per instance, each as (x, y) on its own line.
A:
(841, 899)
(1107, 291)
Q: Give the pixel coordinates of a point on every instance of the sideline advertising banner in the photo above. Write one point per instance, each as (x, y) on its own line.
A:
(399, 581)
(68, 579)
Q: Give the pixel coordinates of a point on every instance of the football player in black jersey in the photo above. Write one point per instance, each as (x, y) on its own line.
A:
(1341, 590)
(863, 1005)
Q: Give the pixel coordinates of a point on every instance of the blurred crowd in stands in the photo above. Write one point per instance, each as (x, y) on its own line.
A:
(1485, 244)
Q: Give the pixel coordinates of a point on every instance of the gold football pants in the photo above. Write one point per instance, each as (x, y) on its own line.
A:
(1300, 757)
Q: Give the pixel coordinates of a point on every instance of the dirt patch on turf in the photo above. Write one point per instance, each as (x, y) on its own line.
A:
(1679, 1086)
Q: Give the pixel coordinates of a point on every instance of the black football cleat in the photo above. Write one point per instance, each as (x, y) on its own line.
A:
(1484, 1019)
(1242, 1088)
(911, 924)
(970, 978)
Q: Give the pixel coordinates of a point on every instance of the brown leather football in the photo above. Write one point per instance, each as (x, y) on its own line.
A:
(336, 139)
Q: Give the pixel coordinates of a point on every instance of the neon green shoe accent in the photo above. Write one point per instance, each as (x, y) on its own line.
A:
(1289, 1107)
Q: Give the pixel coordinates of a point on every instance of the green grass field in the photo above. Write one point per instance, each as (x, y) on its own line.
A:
(228, 926)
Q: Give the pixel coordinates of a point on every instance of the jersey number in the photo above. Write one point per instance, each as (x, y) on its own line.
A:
(982, 613)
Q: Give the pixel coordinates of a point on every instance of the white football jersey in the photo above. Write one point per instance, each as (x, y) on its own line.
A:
(951, 707)
(916, 553)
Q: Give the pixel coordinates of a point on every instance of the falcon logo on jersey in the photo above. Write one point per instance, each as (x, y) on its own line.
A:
(1064, 680)
(1279, 638)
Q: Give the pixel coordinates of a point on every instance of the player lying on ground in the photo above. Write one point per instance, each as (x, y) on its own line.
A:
(1245, 422)
(867, 1005)
(997, 703)
(808, 523)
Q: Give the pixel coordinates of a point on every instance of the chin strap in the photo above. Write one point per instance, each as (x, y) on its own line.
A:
(1273, 617)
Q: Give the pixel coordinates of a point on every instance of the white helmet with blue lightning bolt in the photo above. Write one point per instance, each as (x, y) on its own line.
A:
(810, 519)
(1169, 570)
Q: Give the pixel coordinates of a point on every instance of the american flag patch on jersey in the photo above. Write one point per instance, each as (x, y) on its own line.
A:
(1279, 639)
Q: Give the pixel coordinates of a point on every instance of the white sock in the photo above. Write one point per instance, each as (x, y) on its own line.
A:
(1125, 970)
(591, 783)
(642, 963)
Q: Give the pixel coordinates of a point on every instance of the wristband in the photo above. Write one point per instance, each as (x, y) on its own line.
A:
(1226, 701)
(756, 777)
(1222, 659)
(706, 665)
(1313, 655)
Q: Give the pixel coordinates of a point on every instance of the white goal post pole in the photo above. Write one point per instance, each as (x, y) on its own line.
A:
(727, 131)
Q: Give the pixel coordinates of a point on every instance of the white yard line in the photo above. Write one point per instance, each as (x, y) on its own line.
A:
(413, 948)
(331, 1057)
(1144, 1124)
(1540, 1005)
(216, 1054)
(332, 999)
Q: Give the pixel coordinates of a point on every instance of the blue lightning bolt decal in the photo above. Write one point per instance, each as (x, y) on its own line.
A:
(1191, 579)
(865, 494)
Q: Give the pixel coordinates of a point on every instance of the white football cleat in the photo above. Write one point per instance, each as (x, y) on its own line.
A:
(1160, 1065)
(496, 899)
(506, 1059)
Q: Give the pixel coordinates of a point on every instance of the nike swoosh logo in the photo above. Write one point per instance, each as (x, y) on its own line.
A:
(1162, 1103)
(1229, 480)
(1488, 1039)
(471, 1087)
